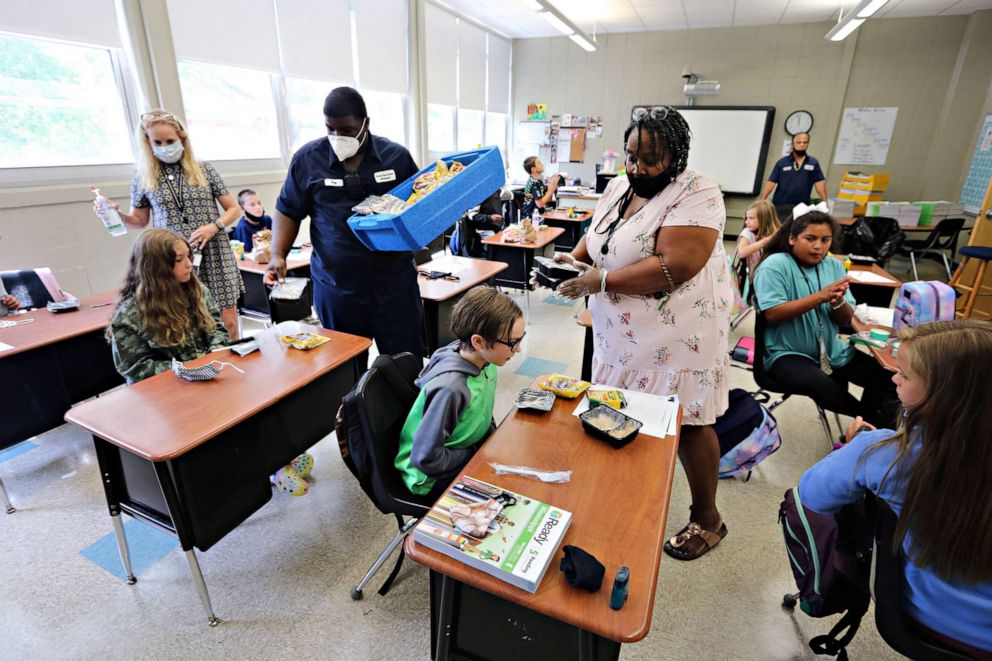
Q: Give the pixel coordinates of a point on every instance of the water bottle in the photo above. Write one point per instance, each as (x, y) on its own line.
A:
(535, 219)
(109, 215)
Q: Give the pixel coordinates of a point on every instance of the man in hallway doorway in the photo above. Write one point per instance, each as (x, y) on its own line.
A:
(795, 175)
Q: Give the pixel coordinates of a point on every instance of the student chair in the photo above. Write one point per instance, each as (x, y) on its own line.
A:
(888, 583)
(942, 240)
(371, 418)
(34, 288)
(767, 383)
(983, 255)
(741, 275)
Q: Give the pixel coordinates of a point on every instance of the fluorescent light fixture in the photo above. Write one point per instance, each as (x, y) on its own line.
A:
(581, 41)
(556, 22)
(848, 24)
(844, 28)
(868, 8)
(562, 24)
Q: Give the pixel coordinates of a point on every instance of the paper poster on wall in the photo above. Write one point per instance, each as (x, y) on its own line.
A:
(865, 135)
(980, 170)
(786, 147)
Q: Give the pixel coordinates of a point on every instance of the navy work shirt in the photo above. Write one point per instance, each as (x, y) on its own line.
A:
(315, 187)
(794, 185)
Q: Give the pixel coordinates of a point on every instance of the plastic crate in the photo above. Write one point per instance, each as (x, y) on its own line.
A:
(433, 214)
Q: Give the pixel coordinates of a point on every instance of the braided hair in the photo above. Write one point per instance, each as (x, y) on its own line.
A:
(673, 134)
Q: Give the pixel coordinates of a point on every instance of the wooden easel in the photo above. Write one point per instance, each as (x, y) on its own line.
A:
(981, 235)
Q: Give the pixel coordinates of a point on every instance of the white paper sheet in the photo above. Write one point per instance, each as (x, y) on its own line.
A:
(870, 314)
(5, 347)
(659, 415)
(868, 278)
(447, 264)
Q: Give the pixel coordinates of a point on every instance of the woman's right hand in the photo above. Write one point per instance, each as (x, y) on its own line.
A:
(564, 258)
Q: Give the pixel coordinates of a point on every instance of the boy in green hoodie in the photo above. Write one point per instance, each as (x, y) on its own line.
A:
(453, 413)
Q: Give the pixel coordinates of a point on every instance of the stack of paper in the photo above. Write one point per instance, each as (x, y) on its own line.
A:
(841, 208)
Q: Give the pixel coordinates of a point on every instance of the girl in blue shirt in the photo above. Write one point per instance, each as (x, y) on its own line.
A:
(803, 294)
(934, 471)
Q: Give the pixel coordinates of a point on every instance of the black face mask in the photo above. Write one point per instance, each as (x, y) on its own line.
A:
(799, 154)
(253, 218)
(648, 187)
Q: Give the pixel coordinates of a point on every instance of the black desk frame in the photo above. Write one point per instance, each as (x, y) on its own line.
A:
(462, 615)
(182, 497)
(573, 232)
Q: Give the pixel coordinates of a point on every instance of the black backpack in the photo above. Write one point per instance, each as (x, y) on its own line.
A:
(370, 419)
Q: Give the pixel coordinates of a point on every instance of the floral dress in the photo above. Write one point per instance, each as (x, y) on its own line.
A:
(676, 344)
(218, 270)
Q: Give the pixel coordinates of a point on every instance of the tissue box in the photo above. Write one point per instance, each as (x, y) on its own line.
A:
(430, 216)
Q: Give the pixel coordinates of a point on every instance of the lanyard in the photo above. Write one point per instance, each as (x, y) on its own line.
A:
(821, 343)
(177, 196)
(624, 202)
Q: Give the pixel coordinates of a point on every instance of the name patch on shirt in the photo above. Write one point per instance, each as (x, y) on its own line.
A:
(787, 168)
(807, 167)
(334, 183)
(384, 176)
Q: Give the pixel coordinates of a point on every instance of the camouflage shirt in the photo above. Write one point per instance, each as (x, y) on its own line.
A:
(138, 356)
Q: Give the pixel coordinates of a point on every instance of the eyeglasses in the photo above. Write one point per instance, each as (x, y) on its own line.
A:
(157, 114)
(513, 344)
(657, 112)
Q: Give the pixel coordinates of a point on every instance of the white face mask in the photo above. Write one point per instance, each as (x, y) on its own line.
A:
(168, 153)
(345, 147)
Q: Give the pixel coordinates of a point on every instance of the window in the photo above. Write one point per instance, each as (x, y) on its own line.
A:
(386, 113)
(496, 131)
(305, 99)
(230, 112)
(470, 129)
(61, 105)
(440, 128)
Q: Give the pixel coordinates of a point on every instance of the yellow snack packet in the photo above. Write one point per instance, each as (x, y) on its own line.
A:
(564, 386)
(304, 341)
(612, 398)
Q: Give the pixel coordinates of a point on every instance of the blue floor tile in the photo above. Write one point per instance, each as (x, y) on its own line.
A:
(147, 546)
(558, 300)
(17, 450)
(537, 366)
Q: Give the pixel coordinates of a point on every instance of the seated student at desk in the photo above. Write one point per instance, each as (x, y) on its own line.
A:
(164, 311)
(934, 472)
(254, 219)
(804, 297)
(453, 413)
(489, 216)
(537, 193)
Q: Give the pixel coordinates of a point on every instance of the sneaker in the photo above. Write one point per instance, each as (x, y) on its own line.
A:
(303, 464)
(288, 481)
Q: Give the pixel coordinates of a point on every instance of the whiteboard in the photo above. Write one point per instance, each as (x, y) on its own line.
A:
(864, 136)
(730, 144)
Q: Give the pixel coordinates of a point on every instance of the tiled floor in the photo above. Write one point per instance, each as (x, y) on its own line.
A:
(281, 581)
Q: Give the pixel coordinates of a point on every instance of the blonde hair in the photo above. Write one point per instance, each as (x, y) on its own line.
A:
(768, 222)
(149, 167)
(174, 311)
(947, 509)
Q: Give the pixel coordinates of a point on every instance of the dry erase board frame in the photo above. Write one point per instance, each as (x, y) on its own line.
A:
(709, 151)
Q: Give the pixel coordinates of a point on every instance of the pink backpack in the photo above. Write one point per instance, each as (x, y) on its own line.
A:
(923, 302)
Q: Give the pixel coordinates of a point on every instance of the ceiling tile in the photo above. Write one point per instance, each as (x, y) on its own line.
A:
(711, 20)
(756, 18)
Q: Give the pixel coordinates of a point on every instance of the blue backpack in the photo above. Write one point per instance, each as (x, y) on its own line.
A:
(747, 432)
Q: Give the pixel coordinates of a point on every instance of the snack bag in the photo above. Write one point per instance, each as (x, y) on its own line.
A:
(612, 398)
(564, 386)
(303, 341)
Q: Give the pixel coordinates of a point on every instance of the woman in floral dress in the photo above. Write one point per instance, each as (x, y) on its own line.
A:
(175, 191)
(660, 299)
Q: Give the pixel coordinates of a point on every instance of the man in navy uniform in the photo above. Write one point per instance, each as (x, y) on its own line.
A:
(795, 175)
(356, 290)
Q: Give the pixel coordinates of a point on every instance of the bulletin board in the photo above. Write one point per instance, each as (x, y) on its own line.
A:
(980, 170)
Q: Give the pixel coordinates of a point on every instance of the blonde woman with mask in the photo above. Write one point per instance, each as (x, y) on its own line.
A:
(172, 190)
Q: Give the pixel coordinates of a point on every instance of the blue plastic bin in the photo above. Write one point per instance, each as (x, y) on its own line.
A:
(431, 215)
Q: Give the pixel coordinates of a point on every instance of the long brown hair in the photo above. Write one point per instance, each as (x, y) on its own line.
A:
(768, 222)
(947, 507)
(173, 310)
(149, 167)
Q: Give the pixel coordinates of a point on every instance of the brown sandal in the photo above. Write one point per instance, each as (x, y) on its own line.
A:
(674, 546)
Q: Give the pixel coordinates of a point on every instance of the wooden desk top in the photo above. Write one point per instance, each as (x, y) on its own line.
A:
(580, 216)
(544, 236)
(883, 356)
(877, 270)
(293, 261)
(577, 196)
(164, 416)
(50, 327)
(619, 503)
(472, 272)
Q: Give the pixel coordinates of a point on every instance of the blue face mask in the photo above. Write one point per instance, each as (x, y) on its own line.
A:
(168, 153)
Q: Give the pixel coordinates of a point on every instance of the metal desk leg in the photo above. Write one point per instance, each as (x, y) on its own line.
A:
(122, 547)
(201, 586)
(447, 608)
(526, 284)
(5, 500)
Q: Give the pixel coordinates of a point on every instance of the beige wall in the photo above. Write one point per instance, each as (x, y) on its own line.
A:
(936, 70)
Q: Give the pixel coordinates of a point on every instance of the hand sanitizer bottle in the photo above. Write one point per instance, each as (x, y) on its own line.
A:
(108, 214)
